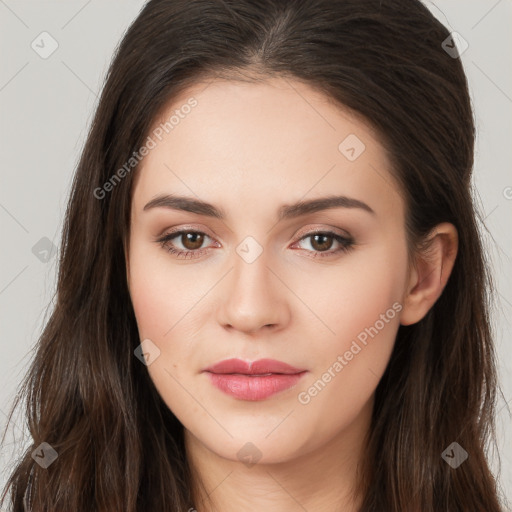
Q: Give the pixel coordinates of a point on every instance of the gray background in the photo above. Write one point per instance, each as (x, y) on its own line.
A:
(47, 106)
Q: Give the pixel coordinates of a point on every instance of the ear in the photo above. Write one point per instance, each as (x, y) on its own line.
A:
(429, 275)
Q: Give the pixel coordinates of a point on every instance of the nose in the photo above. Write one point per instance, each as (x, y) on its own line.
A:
(253, 297)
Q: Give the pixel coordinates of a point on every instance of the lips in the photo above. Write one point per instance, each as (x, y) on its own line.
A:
(260, 367)
(253, 380)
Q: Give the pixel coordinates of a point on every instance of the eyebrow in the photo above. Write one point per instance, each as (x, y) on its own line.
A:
(190, 204)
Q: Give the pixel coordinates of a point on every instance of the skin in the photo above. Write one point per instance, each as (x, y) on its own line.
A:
(249, 149)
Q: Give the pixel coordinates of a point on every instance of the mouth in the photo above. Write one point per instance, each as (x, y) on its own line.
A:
(252, 381)
(257, 368)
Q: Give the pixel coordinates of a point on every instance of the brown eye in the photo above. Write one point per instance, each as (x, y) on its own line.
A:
(321, 242)
(192, 240)
(184, 243)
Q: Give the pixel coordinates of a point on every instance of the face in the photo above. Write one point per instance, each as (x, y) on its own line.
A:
(265, 269)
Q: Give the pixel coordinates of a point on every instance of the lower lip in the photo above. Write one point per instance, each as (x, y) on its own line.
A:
(246, 387)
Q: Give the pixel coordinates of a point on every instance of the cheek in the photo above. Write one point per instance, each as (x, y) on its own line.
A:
(161, 301)
(159, 294)
(151, 300)
(350, 297)
(361, 308)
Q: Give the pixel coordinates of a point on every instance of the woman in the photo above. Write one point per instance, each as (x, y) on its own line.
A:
(263, 298)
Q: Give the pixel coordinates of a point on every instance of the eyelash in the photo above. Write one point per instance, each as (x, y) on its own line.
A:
(346, 244)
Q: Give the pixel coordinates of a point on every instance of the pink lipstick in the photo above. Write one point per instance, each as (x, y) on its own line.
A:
(253, 381)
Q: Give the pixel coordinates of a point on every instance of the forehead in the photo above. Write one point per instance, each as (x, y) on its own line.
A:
(274, 140)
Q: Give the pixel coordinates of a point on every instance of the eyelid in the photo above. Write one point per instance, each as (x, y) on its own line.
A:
(322, 229)
(186, 227)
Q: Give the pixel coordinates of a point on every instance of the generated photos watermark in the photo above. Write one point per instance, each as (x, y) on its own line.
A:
(158, 133)
(357, 345)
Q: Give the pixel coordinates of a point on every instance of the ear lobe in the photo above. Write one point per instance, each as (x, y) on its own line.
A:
(430, 273)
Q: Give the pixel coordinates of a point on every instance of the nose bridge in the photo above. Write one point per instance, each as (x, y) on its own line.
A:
(253, 297)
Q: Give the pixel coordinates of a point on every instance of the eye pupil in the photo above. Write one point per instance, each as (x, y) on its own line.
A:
(321, 246)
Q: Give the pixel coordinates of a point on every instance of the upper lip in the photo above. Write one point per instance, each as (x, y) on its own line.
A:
(259, 367)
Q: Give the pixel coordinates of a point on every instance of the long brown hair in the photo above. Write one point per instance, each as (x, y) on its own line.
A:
(119, 446)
